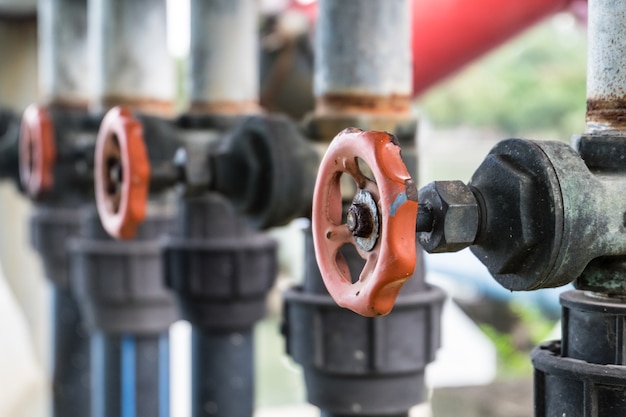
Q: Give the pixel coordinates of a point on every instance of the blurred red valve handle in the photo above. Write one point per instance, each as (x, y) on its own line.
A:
(380, 222)
(37, 151)
(122, 173)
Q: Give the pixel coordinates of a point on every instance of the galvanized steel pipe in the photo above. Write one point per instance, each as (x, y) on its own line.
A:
(18, 71)
(606, 64)
(363, 56)
(131, 62)
(63, 83)
(63, 59)
(224, 68)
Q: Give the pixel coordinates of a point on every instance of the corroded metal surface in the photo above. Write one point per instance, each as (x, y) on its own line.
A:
(363, 103)
(224, 69)
(224, 107)
(63, 56)
(544, 218)
(606, 78)
(130, 59)
(362, 51)
(452, 219)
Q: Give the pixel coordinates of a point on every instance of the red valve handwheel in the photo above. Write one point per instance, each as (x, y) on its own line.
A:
(391, 260)
(122, 173)
(37, 151)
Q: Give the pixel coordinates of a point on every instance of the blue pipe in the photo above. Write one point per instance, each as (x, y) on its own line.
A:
(164, 380)
(130, 375)
(128, 372)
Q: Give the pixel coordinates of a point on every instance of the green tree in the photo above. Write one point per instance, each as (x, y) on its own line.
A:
(533, 84)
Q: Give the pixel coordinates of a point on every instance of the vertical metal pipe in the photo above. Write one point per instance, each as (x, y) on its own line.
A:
(224, 69)
(222, 373)
(151, 394)
(63, 72)
(70, 363)
(128, 312)
(130, 61)
(363, 56)
(220, 271)
(606, 78)
(63, 82)
(18, 72)
(50, 227)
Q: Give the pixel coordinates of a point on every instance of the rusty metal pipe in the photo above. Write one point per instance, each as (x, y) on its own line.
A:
(224, 69)
(363, 57)
(63, 72)
(131, 64)
(606, 78)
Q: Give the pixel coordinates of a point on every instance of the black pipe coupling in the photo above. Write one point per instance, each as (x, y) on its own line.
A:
(261, 163)
(128, 311)
(219, 269)
(355, 365)
(119, 285)
(583, 375)
(50, 227)
(533, 213)
(267, 169)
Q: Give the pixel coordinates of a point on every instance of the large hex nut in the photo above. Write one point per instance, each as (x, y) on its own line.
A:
(522, 220)
(455, 214)
(508, 194)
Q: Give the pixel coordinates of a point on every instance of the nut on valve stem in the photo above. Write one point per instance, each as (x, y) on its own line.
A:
(447, 216)
(425, 218)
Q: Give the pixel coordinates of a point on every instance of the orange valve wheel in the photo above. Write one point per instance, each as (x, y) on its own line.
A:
(380, 223)
(37, 151)
(122, 173)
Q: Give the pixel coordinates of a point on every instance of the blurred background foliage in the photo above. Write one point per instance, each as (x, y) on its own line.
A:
(534, 84)
(513, 348)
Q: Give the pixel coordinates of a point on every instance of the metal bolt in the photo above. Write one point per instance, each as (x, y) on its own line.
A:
(425, 218)
(448, 217)
(360, 220)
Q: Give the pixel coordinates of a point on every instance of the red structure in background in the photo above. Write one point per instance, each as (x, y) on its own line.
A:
(447, 34)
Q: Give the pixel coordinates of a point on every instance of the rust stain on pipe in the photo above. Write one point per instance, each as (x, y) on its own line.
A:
(225, 107)
(144, 105)
(607, 111)
(69, 104)
(363, 103)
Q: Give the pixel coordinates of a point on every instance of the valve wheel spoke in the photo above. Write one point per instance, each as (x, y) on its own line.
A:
(338, 236)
